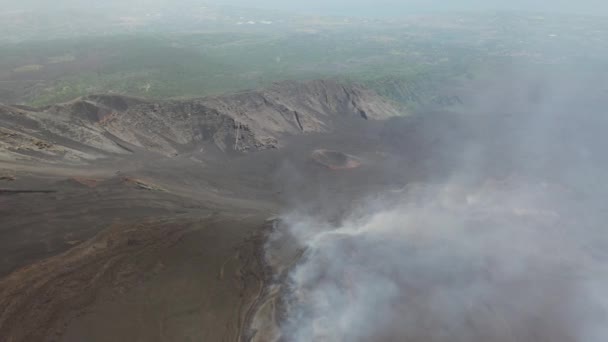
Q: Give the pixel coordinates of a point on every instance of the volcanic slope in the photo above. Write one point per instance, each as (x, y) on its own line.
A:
(102, 126)
(126, 219)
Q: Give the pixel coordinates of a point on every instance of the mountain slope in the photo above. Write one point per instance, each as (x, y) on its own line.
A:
(103, 126)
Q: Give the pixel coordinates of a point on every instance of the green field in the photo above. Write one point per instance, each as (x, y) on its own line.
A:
(408, 61)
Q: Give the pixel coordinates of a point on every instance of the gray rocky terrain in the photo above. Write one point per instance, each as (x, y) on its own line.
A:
(313, 211)
(102, 126)
(125, 219)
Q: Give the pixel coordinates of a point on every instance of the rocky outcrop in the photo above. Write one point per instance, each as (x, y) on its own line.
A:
(52, 134)
(99, 126)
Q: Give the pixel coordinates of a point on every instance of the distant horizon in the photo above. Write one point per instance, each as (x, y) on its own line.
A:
(396, 8)
(356, 8)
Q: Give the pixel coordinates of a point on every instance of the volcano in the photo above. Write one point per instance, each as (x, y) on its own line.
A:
(117, 210)
(302, 211)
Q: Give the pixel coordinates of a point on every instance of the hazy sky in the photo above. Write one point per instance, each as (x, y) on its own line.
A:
(396, 7)
(361, 7)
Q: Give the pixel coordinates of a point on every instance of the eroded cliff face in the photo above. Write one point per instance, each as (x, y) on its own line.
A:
(102, 126)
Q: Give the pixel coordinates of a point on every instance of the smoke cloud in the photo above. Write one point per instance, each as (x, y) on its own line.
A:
(507, 261)
(509, 244)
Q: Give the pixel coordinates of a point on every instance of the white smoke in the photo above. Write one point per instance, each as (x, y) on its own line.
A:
(500, 261)
(503, 239)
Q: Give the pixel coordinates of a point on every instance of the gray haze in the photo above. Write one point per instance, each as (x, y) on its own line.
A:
(398, 7)
(349, 7)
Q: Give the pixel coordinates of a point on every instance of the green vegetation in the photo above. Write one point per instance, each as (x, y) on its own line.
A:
(407, 61)
(206, 64)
